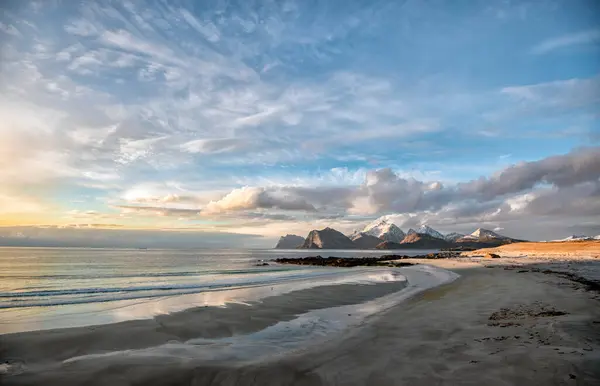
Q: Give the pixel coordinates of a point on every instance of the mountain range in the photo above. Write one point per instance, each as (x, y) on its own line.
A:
(383, 234)
(578, 238)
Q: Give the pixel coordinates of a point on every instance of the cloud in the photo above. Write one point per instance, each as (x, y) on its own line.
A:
(580, 165)
(126, 41)
(255, 198)
(217, 145)
(208, 30)
(579, 38)
(85, 63)
(238, 202)
(169, 198)
(82, 27)
(384, 191)
(517, 190)
(571, 93)
(99, 226)
(101, 175)
(134, 149)
(579, 200)
(336, 197)
(9, 29)
(89, 235)
(170, 191)
(92, 136)
(159, 211)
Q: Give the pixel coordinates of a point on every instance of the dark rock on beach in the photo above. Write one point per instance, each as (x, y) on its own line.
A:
(389, 260)
(341, 261)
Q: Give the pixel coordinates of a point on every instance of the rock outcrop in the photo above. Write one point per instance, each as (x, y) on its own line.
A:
(327, 238)
(289, 242)
(491, 256)
(345, 262)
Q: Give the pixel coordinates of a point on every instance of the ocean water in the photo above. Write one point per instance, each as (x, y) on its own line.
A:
(43, 288)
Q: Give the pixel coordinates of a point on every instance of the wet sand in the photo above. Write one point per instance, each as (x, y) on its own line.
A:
(498, 324)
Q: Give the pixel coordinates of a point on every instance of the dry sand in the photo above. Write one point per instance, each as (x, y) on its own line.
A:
(568, 249)
(504, 322)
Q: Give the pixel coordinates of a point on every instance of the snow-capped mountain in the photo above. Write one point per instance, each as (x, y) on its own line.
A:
(427, 230)
(424, 241)
(578, 238)
(384, 229)
(483, 238)
(411, 231)
(482, 233)
(453, 236)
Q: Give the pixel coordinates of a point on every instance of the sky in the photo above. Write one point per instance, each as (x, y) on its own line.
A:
(230, 123)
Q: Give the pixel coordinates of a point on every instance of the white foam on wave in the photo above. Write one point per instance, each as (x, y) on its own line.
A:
(309, 328)
(85, 311)
(47, 298)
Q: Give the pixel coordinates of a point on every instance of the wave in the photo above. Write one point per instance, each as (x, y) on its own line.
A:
(158, 274)
(45, 298)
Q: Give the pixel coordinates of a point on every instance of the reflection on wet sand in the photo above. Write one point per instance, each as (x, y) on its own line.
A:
(77, 315)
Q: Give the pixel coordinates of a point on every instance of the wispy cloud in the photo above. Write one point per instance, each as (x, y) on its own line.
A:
(560, 42)
(9, 29)
(82, 27)
(208, 30)
(556, 97)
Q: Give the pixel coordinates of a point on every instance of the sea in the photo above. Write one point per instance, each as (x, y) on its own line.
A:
(47, 288)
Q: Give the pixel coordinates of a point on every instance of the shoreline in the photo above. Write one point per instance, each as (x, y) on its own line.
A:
(504, 321)
(253, 328)
(274, 280)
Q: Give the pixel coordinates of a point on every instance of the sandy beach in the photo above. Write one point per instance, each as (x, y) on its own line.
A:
(503, 322)
(571, 250)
